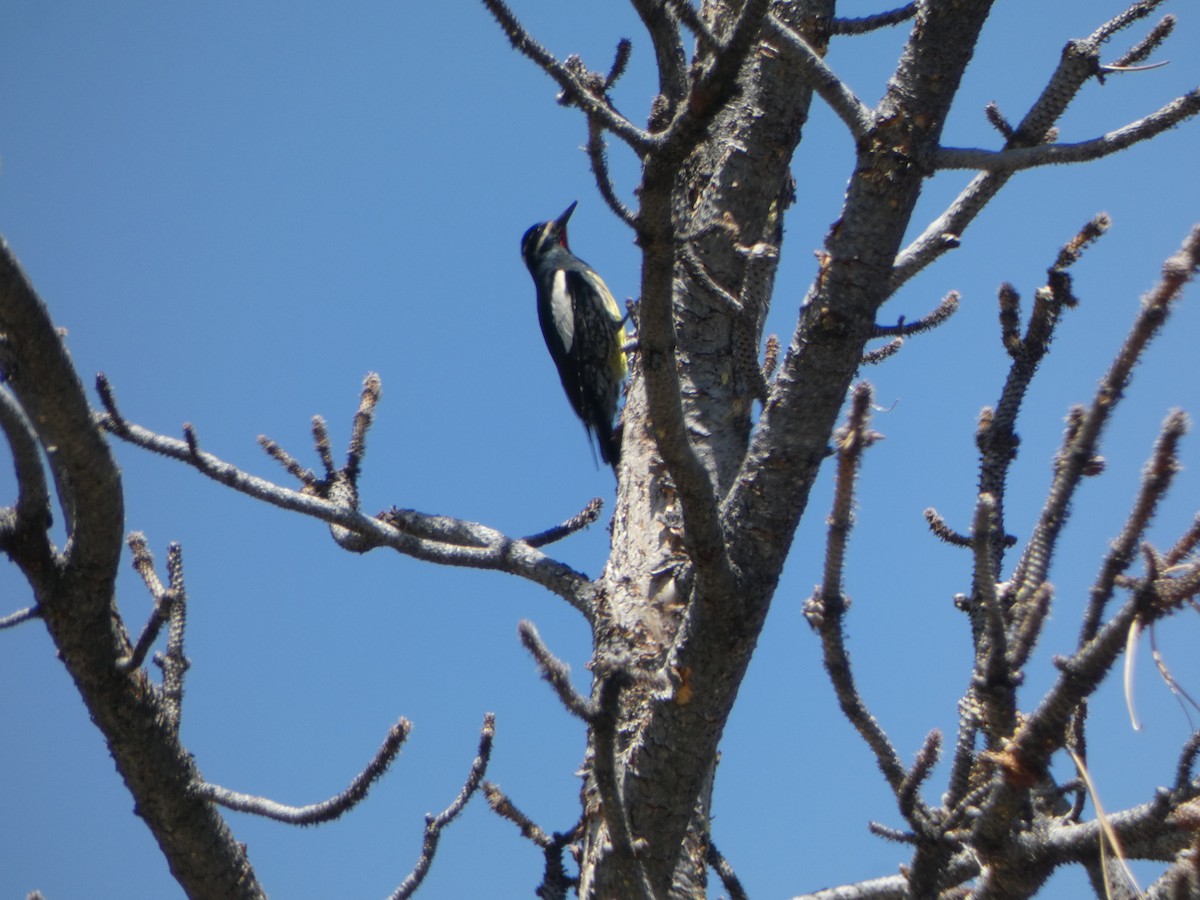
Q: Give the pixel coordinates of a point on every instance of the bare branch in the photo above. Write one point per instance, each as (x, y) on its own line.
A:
(1141, 51)
(314, 813)
(942, 530)
(725, 872)
(874, 22)
(598, 156)
(581, 520)
(608, 782)
(33, 497)
(908, 794)
(879, 354)
(1186, 544)
(718, 84)
(173, 663)
(993, 680)
(1014, 159)
(556, 672)
(660, 21)
(856, 115)
(1079, 63)
(1027, 625)
(143, 562)
(503, 807)
(997, 120)
(826, 609)
(434, 825)
(997, 437)
(1157, 476)
(21, 615)
(364, 417)
(1079, 452)
(690, 17)
(575, 89)
(945, 309)
(485, 548)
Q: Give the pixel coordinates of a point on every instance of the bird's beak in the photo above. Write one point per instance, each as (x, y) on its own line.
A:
(561, 221)
(560, 224)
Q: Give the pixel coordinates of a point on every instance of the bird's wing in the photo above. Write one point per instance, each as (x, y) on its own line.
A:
(562, 311)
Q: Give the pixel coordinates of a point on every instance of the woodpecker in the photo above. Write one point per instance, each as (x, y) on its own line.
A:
(583, 328)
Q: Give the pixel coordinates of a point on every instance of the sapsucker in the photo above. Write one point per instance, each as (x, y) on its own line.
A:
(583, 328)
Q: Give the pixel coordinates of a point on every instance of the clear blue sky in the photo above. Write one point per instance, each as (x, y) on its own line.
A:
(238, 210)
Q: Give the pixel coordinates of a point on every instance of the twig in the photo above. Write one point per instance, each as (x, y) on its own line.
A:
(879, 354)
(724, 871)
(577, 522)
(503, 807)
(556, 672)
(908, 795)
(1079, 452)
(1080, 62)
(488, 548)
(1156, 480)
(1141, 51)
(770, 358)
(873, 22)
(573, 87)
(997, 437)
(33, 496)
(942, 530)
(21, 615)
(993, 680)
(690, 17)
(997, 120)
(314, 813)
(434, 825)
(364, 417)
(826, 609)
(903, 328)
(598, 156)
(1016, 159)
(163, 599)
(173, 663)
(855, 114)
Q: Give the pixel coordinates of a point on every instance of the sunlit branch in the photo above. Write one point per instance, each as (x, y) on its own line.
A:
(163, 599)
(573, 87)
(556, 673)
(475, 546)
(826, 609)
(1078, 454)
(314, 813)
(434, 825)
(1015, 159)
(21, 615)
(1156, 480)
(1079, 63)
(856, 115)
(581, 520)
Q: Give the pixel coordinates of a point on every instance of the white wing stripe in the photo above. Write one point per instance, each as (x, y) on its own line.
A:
(561, 310)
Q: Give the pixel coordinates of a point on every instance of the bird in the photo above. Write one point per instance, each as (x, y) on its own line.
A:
(583, 328)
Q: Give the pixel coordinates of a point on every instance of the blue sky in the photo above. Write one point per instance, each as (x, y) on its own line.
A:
(238, 210)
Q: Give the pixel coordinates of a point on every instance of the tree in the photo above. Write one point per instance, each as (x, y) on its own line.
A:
(720, 456)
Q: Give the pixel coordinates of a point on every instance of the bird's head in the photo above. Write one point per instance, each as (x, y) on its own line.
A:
(545, 237)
